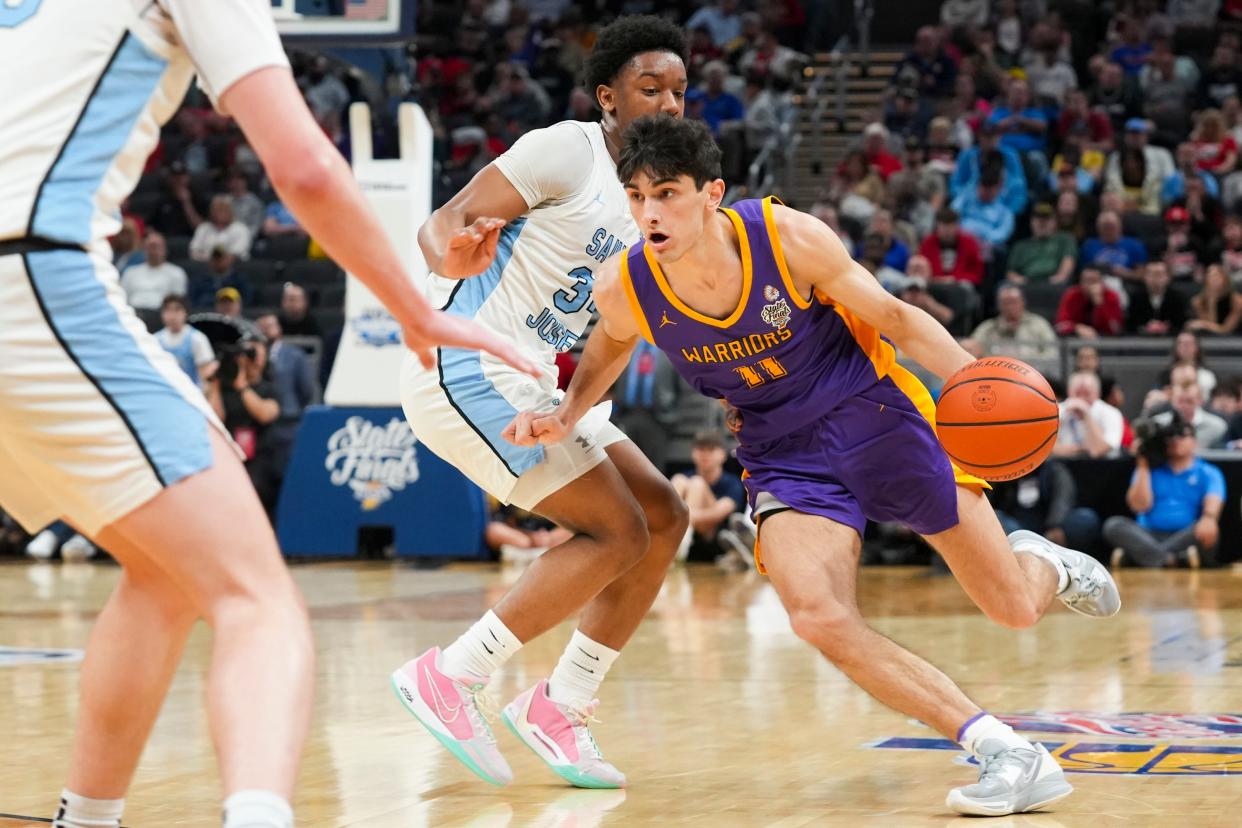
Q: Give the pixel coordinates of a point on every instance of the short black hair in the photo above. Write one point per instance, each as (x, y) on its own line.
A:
(666, 147)
(175, 299)
(624, 39)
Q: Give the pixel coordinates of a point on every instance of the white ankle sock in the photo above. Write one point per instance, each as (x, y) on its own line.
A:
(257, 809)
(481, 650)
(1044, 555)
(578, 674)
(83, 812)
(984, 726)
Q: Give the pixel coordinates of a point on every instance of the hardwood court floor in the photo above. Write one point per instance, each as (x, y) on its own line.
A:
(719, 716)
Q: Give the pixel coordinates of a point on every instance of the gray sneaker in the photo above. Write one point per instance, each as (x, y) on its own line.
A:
(1011, 781)
(1091, 589)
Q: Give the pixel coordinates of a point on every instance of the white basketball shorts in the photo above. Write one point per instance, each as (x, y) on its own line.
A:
(95, 417)
(459, 408)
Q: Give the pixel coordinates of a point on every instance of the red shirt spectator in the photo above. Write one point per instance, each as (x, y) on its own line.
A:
(953, 254)
(1089, 308)
(875, 147)
(1215, 151)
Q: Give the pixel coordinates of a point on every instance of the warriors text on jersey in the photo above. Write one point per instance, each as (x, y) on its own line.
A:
(783, 360)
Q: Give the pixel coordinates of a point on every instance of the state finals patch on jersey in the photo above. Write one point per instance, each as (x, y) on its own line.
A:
(777, 313)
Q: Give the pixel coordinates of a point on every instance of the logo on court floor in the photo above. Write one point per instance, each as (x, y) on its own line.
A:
(1117, 758)
(376, 328)
(373, 460)
(12, 656)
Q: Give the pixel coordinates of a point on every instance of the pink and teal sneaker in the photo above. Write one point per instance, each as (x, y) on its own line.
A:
(454, 712)
(560, 736)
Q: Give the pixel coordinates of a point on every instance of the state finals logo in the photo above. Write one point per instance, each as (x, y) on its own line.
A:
(1161, 753)
(777, 312)
(373, 460)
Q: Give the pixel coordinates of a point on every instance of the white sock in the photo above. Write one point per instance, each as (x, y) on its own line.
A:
(1043, 554)
(983, 726)
(578, 674)
(257, 809)
(481, 650)
(83, 812)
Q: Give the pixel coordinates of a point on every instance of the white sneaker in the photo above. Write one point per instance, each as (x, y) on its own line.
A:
(77, 549)
(1091, 589)
(1011, 781)
(42, 546)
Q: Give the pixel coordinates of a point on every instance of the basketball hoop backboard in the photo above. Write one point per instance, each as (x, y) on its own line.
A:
(345, 20)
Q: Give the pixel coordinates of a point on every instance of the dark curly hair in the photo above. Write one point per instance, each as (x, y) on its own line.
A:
(666, 147)
(625, 38)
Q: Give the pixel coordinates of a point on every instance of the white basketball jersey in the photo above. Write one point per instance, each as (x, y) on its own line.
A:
(85, 86)
(538, 290)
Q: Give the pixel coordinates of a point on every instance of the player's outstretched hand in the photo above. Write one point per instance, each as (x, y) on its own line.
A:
(438, 328)
(534, 428)
(471, 249)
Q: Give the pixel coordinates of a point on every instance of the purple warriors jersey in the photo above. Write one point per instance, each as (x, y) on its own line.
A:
(781, 359)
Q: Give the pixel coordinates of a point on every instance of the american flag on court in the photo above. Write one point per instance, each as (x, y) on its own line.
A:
(366, 9)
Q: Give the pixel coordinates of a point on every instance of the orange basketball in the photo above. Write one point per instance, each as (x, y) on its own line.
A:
(997, 418)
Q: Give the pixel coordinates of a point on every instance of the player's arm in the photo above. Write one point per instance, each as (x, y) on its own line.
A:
(604, 358)
(816, 257)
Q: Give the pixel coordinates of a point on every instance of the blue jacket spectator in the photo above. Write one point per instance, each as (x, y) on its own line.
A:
(220, 274)
(1111, 252)
(965, 177)
(984, 215)
(1023, 127)
(722, 18)
(719, 106)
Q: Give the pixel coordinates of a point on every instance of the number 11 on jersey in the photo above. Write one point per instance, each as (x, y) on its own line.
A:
(754, 375)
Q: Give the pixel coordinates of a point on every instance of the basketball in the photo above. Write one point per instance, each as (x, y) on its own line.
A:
(997, 418)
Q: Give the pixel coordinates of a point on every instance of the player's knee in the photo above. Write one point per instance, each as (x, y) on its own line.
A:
(628, 537)
(829, 626)
(667, 516)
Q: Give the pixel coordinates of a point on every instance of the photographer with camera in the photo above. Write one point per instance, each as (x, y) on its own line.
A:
(1176, 495)
(243, 397)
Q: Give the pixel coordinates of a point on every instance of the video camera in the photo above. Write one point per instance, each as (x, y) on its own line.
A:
(1152, 435)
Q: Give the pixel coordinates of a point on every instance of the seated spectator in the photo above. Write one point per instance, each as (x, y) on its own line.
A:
(1222, 80)
(918, 191)
(927, 67)
(1015, 331)
(1023, 126)
(1116, 96)
(295, 318)
(1168, 92)
(1157, 162)
(1047, 256)
(969, 169)
(722, 18)
(895, 253)
(768, 57)
(146, 285)
(1098, 134)
(1134, 51)
(1076, 167)
(703, 50)
(244, 399)
(914, 292)
(221, 273)
(1178, 503)
(1073, 215)
(1090, 308)
(943, 147)
(278, 221)
(1174, 186)
(1185, 399)
(1156, 310)
(182, 206)
(1046, 503)
(722, 110)
(1226, 403)
(228, 302)
(1188, 350)
(985, 216)
(1218, 307)
(1139, 191)
(1215, 150)
(127, 245)
(871, 258)
(222, 231)
(1205, 211)
(857, 188)
(875, 150)
(954, 255)
(520, 536)
(1090, 427)
(906, 115)
(1183, 252)
(1047, 70)
(644, 403)
(293, 384)
(247, 207)
(1110, 251)
(712, 495)
(1228, 249)
(188, 345)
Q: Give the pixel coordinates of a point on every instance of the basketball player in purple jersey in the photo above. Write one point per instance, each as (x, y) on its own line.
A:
(761, 306)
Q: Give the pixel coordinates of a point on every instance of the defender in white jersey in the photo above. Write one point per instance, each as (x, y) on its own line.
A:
(100, 427)
(516, 250)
